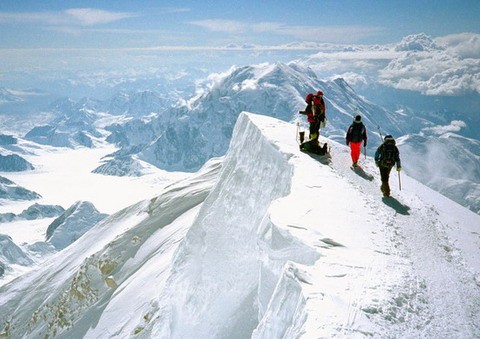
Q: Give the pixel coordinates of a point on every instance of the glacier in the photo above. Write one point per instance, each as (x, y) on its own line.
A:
(267, 242)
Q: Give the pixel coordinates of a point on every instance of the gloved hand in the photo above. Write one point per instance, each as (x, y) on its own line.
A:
(302, 112)
(347, 142)
(399, 169)
(364, 144)
(377, 163)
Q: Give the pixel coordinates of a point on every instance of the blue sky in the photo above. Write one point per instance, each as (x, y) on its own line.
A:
(143, 24)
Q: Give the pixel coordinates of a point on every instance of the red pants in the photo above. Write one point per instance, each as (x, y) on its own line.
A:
(355, 150)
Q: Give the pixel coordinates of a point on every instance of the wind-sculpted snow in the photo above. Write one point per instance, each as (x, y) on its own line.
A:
(276, 244)
(213, 289)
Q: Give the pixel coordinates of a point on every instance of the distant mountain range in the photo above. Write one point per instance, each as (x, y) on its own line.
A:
(36, 211)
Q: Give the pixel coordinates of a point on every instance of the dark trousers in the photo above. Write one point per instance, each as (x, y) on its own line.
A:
(315, 128)
(385, 175)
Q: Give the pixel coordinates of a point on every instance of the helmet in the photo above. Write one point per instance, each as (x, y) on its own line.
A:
(388, 137)
(358, 118)
(319, 93)
(309, 98)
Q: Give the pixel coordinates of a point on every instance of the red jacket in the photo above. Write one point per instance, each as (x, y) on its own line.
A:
(315, 108)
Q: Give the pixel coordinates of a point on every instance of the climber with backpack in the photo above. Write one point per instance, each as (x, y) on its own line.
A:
(315, 112)
(356, 133)
(319, 110)
(308, 111)
(386, 156)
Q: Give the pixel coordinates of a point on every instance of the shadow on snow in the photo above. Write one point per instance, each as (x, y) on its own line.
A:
(324, 159)
(360, 172)
(396, 205)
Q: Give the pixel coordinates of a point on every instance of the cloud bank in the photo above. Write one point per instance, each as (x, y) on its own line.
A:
(446, 66)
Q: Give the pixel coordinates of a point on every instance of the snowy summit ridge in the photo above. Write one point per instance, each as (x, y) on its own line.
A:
(275, 244)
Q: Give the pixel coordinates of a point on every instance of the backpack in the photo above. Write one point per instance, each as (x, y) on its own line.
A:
(388, 152)
(357, 130)
(318, 107)
(308, 98)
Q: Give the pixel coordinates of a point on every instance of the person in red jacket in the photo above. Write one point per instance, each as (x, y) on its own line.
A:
(319, 109)
(356, 133)
(315, 112)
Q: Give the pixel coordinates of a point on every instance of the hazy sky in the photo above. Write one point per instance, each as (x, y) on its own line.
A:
(145, 23)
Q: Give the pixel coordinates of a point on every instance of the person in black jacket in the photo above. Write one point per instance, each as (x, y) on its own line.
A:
(386, 156)
(356, 133)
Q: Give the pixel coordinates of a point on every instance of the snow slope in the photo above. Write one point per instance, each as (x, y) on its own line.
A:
(279, 244)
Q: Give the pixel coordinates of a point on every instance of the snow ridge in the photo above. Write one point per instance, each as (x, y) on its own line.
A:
(216, 268)
(278, 244)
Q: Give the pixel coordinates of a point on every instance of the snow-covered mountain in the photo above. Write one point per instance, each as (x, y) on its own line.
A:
(73, 125)
(187, 136)
(275, 244)
(7, 139)
(75, 122)
(35, 211)
(11, 254)
(11, 191)
(14, 163)
(72, 224)
(136, 103)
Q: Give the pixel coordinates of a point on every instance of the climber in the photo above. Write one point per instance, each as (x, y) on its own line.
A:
(356, 133)
(386, 156)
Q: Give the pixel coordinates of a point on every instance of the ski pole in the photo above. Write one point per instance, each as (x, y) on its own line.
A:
(399, 181)
(365, 151)
(380, 132)
(297, 135)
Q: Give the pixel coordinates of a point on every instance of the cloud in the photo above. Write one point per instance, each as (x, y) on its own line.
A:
(455, 126)
(92, 16)
(464, 45)
(227, 26)
(338, 34)
(417, 42)
(69, 17)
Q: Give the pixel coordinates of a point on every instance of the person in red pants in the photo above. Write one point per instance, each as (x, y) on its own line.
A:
(356, 134)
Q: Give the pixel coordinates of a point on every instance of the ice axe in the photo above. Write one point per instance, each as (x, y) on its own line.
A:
(300, 135)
